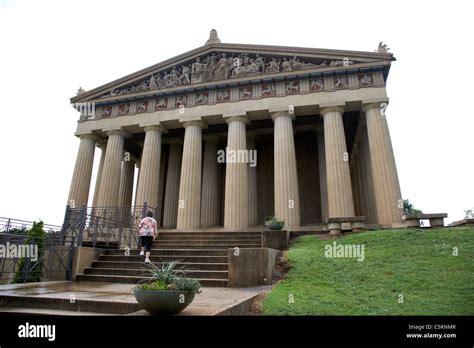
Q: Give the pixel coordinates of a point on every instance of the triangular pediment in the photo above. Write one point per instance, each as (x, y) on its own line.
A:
(222, 64)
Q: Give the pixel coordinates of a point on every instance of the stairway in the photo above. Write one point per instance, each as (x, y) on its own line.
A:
(203, 254)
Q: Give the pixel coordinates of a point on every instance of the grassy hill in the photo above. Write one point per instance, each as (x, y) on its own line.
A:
(404, 272)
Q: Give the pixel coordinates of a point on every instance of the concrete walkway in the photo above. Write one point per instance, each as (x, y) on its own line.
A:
(212, 301)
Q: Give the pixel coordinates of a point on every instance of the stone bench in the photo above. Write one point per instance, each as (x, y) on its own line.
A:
(463, 222)
(335, 224)
(436, 220)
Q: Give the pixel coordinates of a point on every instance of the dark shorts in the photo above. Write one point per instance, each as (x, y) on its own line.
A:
(146, 242)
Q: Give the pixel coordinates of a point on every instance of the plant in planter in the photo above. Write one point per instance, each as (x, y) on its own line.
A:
(274, 223)
(168, 291)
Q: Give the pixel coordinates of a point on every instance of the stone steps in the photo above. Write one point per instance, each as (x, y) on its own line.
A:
(211, 266)
(165, 241)
(166, 258)
(135, 279)
(204, 254)
(210, 238)
(15, 302)
(186, 245)
(198, 274)
(177, 252)
(210, 234)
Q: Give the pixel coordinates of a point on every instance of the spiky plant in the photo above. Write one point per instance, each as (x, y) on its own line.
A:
(167, 276)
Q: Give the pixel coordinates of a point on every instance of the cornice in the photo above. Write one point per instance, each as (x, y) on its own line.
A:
(240, 48)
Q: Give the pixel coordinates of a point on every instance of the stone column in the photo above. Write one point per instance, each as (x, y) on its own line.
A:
(384, 170)
(150, 167)
(110, 181)
(370, 194)
(357, 177)
(287, 200)
(236, 210)
(172, 184)
(340, 202)
(126, 189)
(361, 175)
(189, 203)
(210, 183)
(81, 178)
(323, 187)
(161, 187)
(252, 181)
(126, 183)
(95, 200)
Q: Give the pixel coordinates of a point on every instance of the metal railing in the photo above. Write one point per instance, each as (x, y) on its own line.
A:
(8, 225)
(104, 227)
(26, 259)
(109, 227)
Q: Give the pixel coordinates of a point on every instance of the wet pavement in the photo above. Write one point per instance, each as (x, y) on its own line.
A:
(211, 301)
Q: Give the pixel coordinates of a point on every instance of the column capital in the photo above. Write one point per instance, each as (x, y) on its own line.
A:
(89, 136)
(117, 131)
(157, 127)
(199, 123)
(275, 114)
(331, 107)
(240, 118)
(373, 103)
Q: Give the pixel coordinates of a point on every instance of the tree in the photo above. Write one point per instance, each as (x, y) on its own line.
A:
(409, 209)
(31, 271)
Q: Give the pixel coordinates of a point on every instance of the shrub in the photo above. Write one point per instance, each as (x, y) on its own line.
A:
(273, 219)
(32, 271)
(409, 209)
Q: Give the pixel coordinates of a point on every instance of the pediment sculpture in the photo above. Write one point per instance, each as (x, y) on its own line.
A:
(221, 66)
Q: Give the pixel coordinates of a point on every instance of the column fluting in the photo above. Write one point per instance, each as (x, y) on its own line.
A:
(110, 181)
(150, 167)
(236, 213)
(173, 174)
(340, 201)
(81, 178)
(189, 203)
(384, 170)
(287, 201)
(210, 183)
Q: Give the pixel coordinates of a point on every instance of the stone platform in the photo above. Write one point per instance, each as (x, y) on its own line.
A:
(97, 298)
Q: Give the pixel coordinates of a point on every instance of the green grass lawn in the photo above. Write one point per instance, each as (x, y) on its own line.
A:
(404, 272)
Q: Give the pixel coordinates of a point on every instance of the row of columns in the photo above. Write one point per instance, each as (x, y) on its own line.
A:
(192, 196)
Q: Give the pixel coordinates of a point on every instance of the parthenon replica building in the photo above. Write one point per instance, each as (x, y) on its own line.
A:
(316, 118)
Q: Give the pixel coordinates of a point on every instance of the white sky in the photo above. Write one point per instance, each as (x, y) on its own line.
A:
(50, 48)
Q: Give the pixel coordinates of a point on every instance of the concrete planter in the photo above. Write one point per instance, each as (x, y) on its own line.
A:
(274, 225)
(163, 302)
